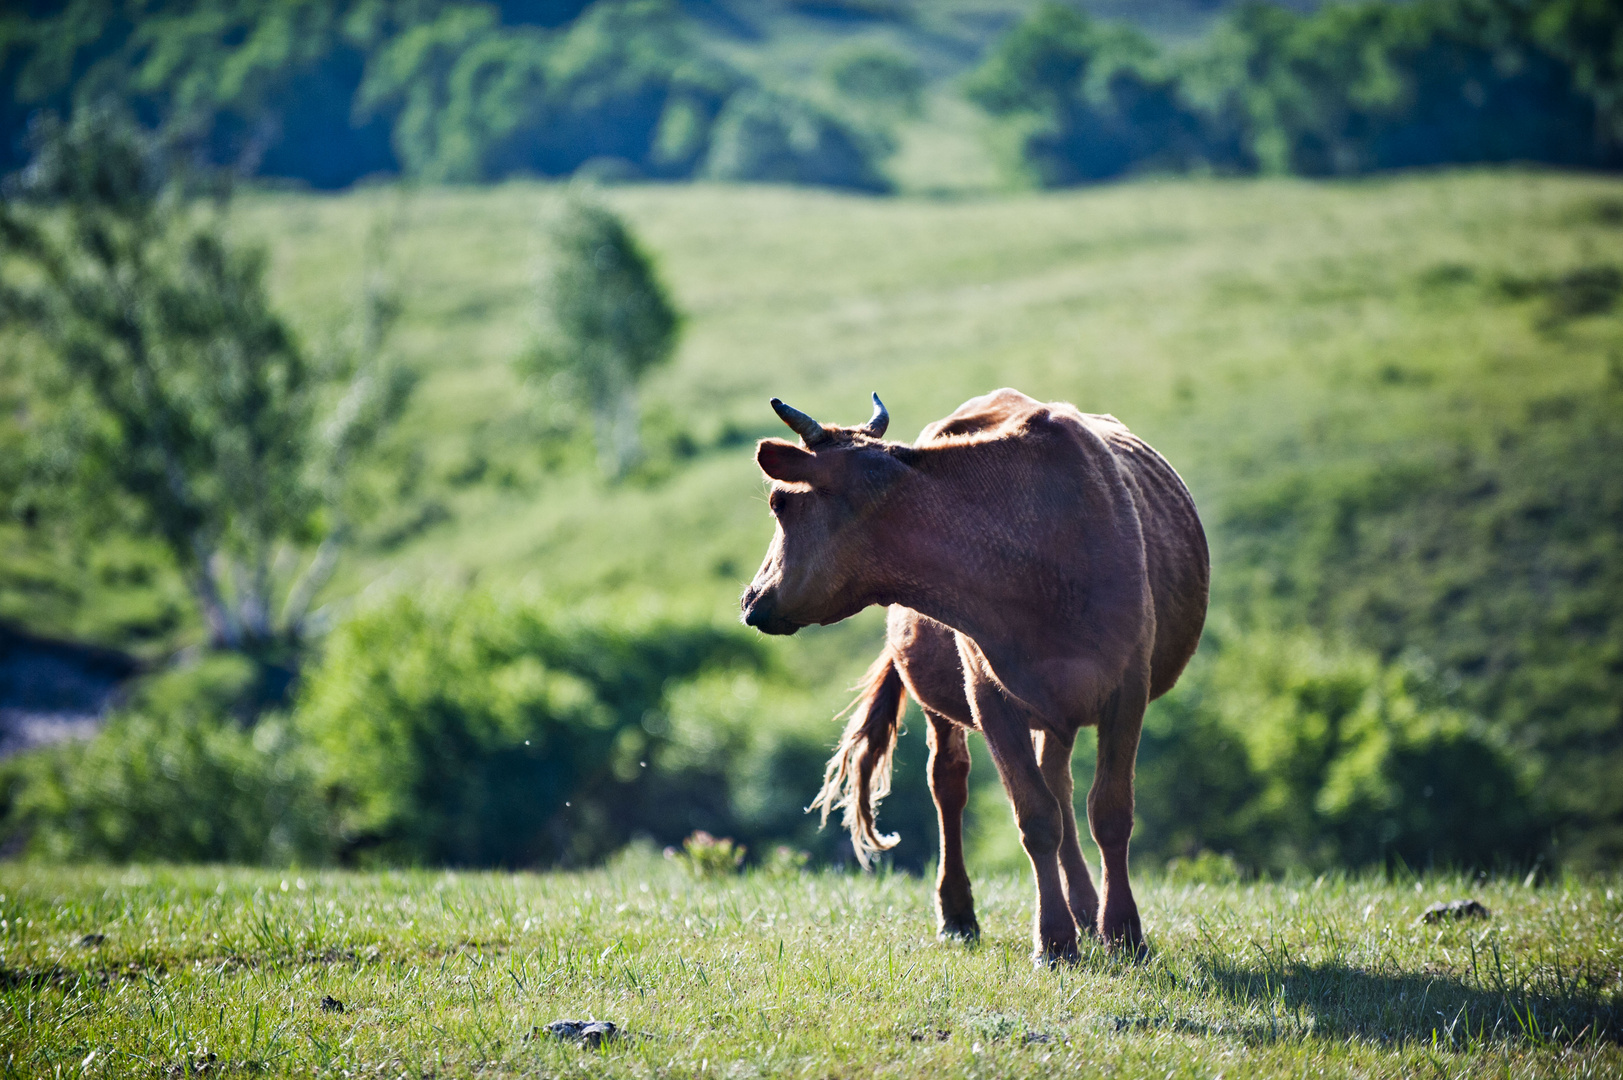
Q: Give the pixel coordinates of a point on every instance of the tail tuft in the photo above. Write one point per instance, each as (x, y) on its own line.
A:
(858, 775)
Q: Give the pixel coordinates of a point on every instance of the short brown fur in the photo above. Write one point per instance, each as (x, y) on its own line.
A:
(1045, 571)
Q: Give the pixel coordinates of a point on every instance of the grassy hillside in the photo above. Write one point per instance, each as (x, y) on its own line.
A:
(1394, 400)
(1244, 329)
(162, 972)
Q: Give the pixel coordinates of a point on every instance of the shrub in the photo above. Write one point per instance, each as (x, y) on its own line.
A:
(467, 731)
(175, 777)
(1205, 868)
(1098, 100)
(1286, 752)
(784, 861)
(1347, 88)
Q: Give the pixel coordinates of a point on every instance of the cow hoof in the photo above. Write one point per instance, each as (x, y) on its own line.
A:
(967, 930)
(1056, 953)
(1126, 939)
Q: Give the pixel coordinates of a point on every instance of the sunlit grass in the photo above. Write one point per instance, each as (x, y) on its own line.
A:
(814, 975)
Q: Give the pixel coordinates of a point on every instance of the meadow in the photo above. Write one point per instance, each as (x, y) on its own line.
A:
(1280, 341)
(224, 971)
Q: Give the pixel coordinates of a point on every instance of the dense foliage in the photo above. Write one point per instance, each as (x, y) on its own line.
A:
(1102, 101)
(483, 733)
(1350, 88)
(477, 733)
(469, 91)
(1284, 753)
(175, 776)
(447, 91)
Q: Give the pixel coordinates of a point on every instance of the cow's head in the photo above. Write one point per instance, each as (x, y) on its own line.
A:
(826, 562)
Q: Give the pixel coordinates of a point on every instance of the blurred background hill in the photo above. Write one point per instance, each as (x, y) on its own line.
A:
(1396, 395)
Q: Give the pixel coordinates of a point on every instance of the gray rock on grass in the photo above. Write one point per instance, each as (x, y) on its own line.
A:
(589, 1033)
(1454, 910)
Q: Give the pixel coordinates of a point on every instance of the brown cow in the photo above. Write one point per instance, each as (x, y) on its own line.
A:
(1045, 572)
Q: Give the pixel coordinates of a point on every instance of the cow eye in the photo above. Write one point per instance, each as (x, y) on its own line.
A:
(776, 501)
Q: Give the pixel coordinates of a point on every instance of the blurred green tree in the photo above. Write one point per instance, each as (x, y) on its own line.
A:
(168, 395)
(1099, 100)
(606, 322)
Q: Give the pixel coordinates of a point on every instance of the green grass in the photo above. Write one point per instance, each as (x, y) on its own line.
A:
(804, 976)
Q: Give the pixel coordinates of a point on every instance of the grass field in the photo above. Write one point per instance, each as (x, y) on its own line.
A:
(206, 971)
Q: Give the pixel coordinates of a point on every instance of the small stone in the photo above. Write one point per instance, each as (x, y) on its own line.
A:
(331, 1004)
(1454, 909)
(90, 941)
(589, 1033)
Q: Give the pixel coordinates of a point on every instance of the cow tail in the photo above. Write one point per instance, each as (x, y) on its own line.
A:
(858, 775)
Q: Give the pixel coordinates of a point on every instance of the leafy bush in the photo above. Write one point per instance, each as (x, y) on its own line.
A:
(1204, 868)
(174, 777)
(479, 733)
(784, 861)
(331, 93)
(1100, 101)
(474, 99)
(1285, 753)
(1352, 88)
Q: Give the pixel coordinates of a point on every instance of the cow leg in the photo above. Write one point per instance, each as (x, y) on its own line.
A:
(1036, 811)
(1054, 758)
(1110, 813)
(949, 784)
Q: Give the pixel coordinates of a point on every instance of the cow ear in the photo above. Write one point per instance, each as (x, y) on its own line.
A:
(785, 461)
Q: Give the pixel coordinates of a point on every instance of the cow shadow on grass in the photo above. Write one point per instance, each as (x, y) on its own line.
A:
(1338, 1000)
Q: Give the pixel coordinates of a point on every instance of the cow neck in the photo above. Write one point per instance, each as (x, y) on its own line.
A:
(952, 559)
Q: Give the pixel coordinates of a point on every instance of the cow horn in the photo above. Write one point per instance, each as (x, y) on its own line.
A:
(879, 421)
(800, 423)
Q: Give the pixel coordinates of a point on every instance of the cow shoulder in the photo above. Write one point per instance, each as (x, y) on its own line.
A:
(987, 416)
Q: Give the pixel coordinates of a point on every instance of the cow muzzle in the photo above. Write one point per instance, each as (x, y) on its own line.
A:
(760, 611)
